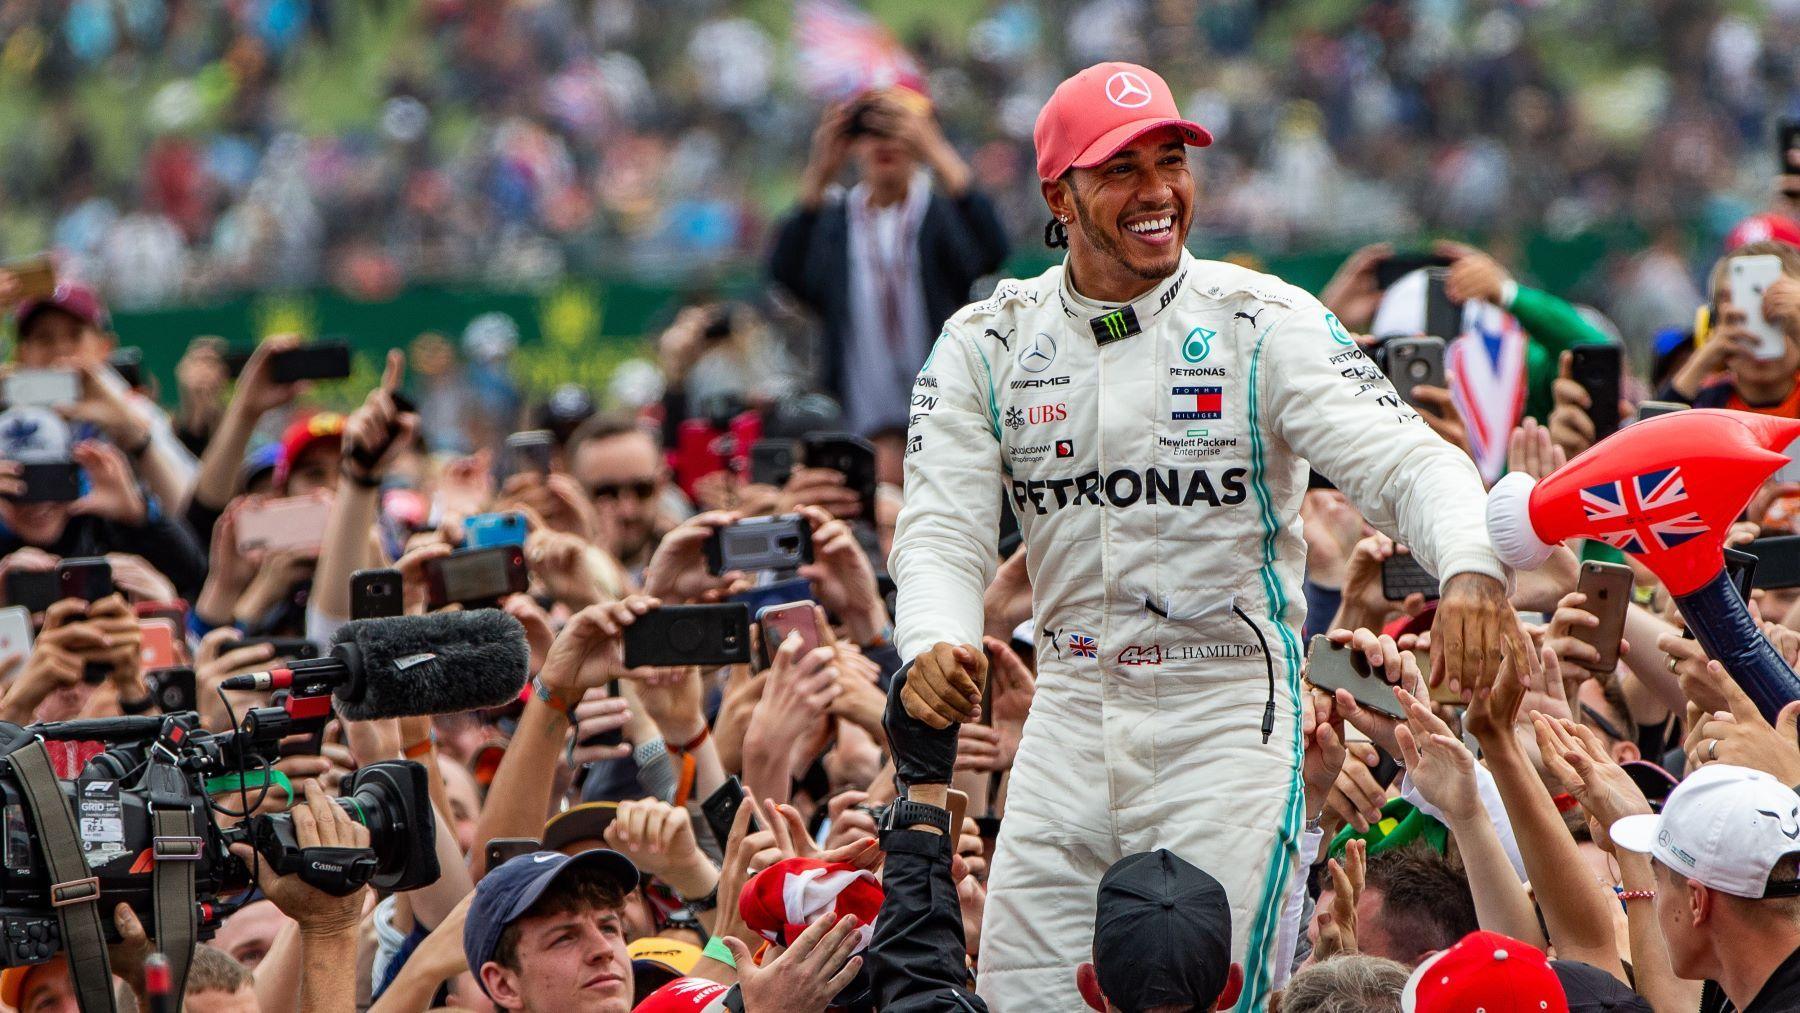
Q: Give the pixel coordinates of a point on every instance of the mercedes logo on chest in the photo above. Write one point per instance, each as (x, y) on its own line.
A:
(1039, 354)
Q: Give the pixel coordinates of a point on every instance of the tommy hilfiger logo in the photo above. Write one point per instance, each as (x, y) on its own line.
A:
(1120, 323)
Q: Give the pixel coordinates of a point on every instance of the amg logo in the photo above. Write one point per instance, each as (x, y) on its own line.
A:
(1124, 488)
(1049, 381)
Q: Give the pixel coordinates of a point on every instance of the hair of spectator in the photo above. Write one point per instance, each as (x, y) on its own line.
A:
(1352, 983)
(1425, 901)
(1790, 262)
(606, 426)
(214, 970)
(583, 891)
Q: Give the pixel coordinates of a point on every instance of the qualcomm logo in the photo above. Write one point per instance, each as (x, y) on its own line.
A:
(1127, 90)
(1198, 344)
(1039, 354)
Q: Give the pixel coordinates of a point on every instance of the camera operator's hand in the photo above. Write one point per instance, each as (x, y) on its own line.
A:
(127, 956)
(945, 685)
(219, 659)
(590, 650)
(378, 428)
(318, 823)
(820, 487)
(113, 492)
(659, 840)
(677, 569)
(843, 577)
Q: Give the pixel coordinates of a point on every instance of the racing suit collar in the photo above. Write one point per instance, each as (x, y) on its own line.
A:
(1110, 322)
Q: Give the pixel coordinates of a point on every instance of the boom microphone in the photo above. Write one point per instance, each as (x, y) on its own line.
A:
(412, 665)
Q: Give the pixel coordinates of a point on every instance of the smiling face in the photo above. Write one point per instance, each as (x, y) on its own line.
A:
(1129, 215)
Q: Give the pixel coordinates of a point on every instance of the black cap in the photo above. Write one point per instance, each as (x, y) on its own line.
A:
(1591, 990)
(1162, 934)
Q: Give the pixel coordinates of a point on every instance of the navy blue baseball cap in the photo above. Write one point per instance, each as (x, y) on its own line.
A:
(508, 891)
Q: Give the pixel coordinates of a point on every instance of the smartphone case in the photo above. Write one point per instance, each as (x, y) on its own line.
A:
(679, 635)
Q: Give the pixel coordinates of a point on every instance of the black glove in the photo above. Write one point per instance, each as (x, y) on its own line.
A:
(922, 754)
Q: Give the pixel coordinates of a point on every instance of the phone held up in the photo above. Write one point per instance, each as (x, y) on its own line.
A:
(681, 635)
(1608, 590)
(760, 543)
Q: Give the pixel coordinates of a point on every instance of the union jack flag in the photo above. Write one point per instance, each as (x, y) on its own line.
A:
(1651, 510)
(1083, 647)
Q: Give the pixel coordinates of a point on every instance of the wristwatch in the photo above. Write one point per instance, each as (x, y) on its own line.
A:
(698, 904)
(904, 813)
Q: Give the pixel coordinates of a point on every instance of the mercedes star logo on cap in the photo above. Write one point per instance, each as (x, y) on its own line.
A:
(1127, 90)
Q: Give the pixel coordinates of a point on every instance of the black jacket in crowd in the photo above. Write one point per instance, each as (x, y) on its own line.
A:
(917, 958)
(960, 240)
(1780, 994)
(164, 542)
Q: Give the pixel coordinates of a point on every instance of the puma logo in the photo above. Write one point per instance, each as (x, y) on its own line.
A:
(1247, 316)
(1004, 339)
(1782, 822)
(1055, 640)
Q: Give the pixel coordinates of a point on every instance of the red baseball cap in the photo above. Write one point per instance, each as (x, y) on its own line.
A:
(685, 995)
(1757, 228)
(300, 436)
(73, 298)
(1100, 110)
(1486, 972)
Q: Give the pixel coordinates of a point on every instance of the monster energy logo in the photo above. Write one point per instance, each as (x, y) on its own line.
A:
(1110, 327)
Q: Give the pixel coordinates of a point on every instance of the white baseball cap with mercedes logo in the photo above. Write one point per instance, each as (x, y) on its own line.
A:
(1724, 826)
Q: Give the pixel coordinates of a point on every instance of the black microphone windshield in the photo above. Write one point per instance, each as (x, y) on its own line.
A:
(435, 664)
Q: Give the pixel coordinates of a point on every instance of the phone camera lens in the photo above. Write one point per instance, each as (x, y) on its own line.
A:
(1417, 370)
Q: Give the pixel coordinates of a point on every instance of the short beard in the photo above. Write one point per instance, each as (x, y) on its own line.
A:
(1107, 244)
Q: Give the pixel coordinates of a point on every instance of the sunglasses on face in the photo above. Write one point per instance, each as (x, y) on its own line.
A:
(643, 488)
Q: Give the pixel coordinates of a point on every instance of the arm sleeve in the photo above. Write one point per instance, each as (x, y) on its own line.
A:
(787, 260)
(1335, 408)
(1490, 799)
(988, 248)
(1552, 322)
(946, 543)
(166, 544)
(1293, 914)
(918, 959)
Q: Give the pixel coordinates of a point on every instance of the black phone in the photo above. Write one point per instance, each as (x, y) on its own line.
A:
(1788, 137)
(721, 809)
(88, 578)
(50, 482)
(129, 364)
(501, 850)
(1443, 318)
(173, 689)
(35, 590)
(235, 361)
(1415, 362)
(476, 576)
(315, 360)
(1401, 575)
(771, 461)
(529, 451)
(291, 648)
(680, 635)
(376, 594)
(1402, 264)
(1777, 561)
(760, 543)
(851, 456)
(1741, 567)
(1596, 368)
(613, 737)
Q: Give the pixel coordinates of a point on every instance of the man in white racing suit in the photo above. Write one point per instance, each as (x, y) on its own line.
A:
(1150, 418)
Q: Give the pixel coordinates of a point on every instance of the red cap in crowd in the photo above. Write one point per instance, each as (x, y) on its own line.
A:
(299, 437)
(1100, 110)
(684, 995)
(1757, 228)
(1486, 972)
(73, 298)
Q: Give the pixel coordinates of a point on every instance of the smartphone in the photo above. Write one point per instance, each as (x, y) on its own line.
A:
(33, 590)
(15, 632)
(1402, 574)
(174, 610)
(958, 803)
(760, 543)
(1443, 318)
(376, 594)
(235, 361)
(1415, 362)
(1331, 668)
(1777, 561)
(36, 276)
(780, 592)
(1596, 368)
(610, 737)
(529, 451)
(1608, 590)
(316, 360)
(778, 621)
(484, 531)
(49, 482)
(290, 648)
(500, 850)
(41, 388)
(680, 635)
(88, 578)
(1740, 567)
(1400, 265)
(129, 364)
(297, 522)
(771, 461)
(721, 809)
(174, 690)
(851, 456)
(1750, 277)
(1651, 409)
(156, 644)
(1787, 137)
(476, 576)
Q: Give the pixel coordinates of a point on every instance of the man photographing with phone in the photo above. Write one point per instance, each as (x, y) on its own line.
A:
(1151, 419)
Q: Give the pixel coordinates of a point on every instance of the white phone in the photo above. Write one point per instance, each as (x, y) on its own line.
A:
(15, 633)
(42, 388)
(1750, 278)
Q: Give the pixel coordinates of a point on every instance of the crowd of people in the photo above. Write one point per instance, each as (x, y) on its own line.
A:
(514, 141)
